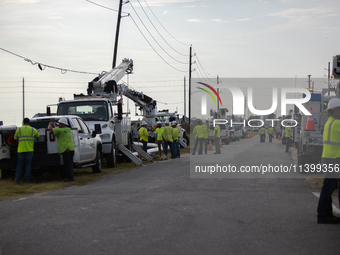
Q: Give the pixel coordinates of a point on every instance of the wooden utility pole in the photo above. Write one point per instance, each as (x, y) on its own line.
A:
(218, 92)
(190, 84)
(185, 101)
(23, 97)
(117, 34)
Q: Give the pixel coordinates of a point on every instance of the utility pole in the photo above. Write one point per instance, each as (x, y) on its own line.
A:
(190, 59)
(185, 101)
(117, 34)
(218, 92)
(309, 81)
(23, 97)
(329, 77)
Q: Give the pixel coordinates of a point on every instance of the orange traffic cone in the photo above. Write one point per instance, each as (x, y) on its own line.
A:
(210, 146)
(220, 143)
(310, 122)
(279, 138)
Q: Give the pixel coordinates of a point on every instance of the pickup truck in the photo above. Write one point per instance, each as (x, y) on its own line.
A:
(88, 147)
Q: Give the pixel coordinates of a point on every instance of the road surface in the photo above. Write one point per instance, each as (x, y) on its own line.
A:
(159, 209)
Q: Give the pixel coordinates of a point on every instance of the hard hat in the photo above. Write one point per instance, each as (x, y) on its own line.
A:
(144, 123)
(333, 103)
(166, 122)
(173, 123)
(63, 121)
(159, 122)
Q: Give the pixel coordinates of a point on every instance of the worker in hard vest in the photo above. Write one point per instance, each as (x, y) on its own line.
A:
(160, 133)
(288, 135)
(65, 146)
(179, 137)
(206, 137)
(168, 139)
(25, 135)
(217, 136)
(262, 133)
(270, 133)
(144, 136)
(199, 135)
(330, 160)
(175, 139)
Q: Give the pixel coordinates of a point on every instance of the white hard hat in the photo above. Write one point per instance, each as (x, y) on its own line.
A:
(63, 121)
(173, 123)
(333, 103)
(159, 122)
(144, 123)
(166, 122)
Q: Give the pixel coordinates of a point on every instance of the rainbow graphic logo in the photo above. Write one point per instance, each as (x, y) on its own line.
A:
(204, 101)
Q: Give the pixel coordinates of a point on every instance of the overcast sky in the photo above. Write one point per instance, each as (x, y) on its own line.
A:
(245, 39)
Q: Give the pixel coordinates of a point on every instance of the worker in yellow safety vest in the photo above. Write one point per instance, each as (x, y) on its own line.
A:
(25, 135)
(175, 138)
(270, 133)
(262, 133)
(160, 133)
(168, 139)
(144, 136)
(330, 161)
(199, 136)
(288, 136)
(217, 135)
(206, 136)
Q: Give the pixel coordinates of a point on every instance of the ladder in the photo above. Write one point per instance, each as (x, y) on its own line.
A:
(129, 154)
(141, 152)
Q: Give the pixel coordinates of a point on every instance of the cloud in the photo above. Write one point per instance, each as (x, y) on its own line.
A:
(194, 20)
(246, 19)
(219, 20)
(167, 2)
(164, 12)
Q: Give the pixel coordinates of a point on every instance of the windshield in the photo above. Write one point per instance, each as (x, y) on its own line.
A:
(87, 110)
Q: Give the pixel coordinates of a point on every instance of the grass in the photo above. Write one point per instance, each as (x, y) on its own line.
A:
(52, 181)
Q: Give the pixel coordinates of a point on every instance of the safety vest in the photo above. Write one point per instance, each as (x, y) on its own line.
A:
(198, 131)
(206, 131)
(25, 135)
(175, 134)
(143, 134)
(331, 139)
(270, 130)
(179, 132)
(160, 133)
(287, 130)
(262, 131)
(218, 129)
(168, 133)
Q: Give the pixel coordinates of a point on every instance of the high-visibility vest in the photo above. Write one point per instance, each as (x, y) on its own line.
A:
(168, 133)
(331, 139)
(262, 131)
(218, 129)
(143, 134)
(206, 131)
(175, 134)
(25, 135)
(179, 132)
(160, 133)
(198, 131)
(270, 130)
(287, 130)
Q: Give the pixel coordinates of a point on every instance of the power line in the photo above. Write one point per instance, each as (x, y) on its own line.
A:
(43, 66)
(154, 37)
(164, 27)
(160, 33)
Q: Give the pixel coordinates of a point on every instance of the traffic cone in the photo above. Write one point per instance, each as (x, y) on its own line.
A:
(279, 138)
(210, 146)
(220, 143)
(310, 122)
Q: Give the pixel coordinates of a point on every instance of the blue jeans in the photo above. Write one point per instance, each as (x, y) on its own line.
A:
(166, 143)
(68, 165)
(176, 149)
(200, 149)
(24, 158)
(217, 145)
(145, 146)
(288, 141)
(325, 209)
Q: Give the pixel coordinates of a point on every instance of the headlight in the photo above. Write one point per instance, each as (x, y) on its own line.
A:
(105, 136)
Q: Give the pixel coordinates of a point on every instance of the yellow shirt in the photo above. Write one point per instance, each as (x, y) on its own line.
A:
(26, 135)
(143, 134)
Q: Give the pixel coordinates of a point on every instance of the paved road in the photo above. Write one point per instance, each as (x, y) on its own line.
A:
(159, 209)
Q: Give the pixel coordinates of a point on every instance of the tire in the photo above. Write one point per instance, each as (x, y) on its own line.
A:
(111, 158)
(97, 168)
(5, 173)
(226, 141)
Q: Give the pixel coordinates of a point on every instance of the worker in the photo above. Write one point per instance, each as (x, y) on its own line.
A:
(288, 135)
(262, 133)
(25, 135)
(175, 139)
(168, 139)
(270, 133)
(143, 136)
(198, 134)
(159, 137)
(179, 137)
(330, 160)
(206, 136)
(217, 136)
(65, 146)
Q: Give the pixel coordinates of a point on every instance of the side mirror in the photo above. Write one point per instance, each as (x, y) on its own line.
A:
(97, 130)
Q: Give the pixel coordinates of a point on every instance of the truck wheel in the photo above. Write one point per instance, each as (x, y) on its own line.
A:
(97, 168)
(111, 158)
(5, 173)
(226, 141)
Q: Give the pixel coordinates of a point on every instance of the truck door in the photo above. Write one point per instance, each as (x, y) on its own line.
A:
(89, 144)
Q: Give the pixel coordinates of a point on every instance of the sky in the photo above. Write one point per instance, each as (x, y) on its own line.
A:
(229, 39)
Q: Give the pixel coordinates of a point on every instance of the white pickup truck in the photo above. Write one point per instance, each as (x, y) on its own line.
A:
(88, 147)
